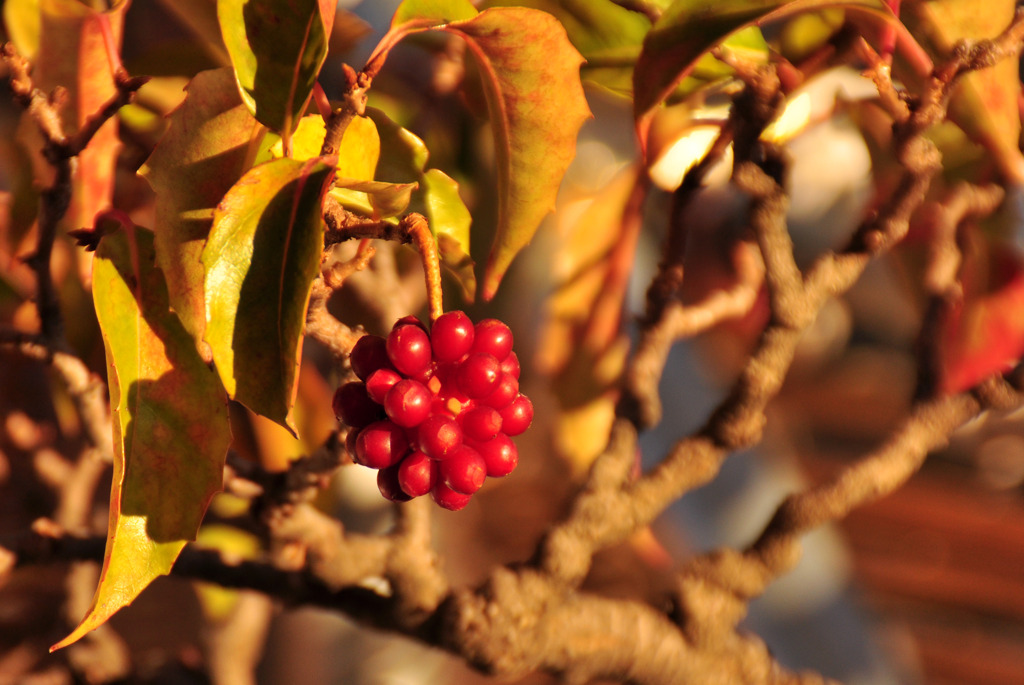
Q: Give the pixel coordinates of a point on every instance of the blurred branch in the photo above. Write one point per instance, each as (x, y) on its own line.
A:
(322, 326)
(727, 577)
(304, 477)
(603, 514)
(86, 389)
(942, 276)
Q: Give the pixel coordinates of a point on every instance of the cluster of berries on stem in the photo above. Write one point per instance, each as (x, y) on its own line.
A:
(434, 410)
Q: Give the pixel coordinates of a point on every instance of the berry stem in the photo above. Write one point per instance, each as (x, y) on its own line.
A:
(415, 225)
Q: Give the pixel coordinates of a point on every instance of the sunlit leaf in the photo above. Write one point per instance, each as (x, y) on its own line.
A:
(689, 28)
(536, 105)
(170, 425)
(357, 153)
(357, 160)
(260, 261)
(433, 12)
(581, 344)
(21, 20)
(76, 59)
(805, 33)
(208, 146)
(403, 155)
(277, 48)
(586, 285)
(383, 200)
(449, 222)
(404, 158)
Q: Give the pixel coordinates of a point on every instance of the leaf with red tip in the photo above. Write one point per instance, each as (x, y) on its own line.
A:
(208, 145)
(170, 425)
(277, 48)
(260, 261)
(536, 105)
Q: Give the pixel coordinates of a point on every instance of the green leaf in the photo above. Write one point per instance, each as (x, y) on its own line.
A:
(689, 28)
(404, 159)
(208, 146)
(802, 35)
(260, 260)
(536, 105)
(432, 12)
(277, 48)
(357, 152)
(375, 198)
(170, 425)
(403, 154)
(449, 222)
(356, 161)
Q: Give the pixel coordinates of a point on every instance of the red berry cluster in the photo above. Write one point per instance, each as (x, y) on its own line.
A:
(434, 410)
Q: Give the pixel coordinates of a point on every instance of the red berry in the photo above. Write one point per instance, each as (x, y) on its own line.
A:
(438, 436)
(380, 445)
(410, 321)
(416, 474)
(481, 423)
(369, 354)
(354, 406)
(516, 417)
(408, 403)
(464, 471)
(409, 349)
(388, 484)
(500, 455)
(506, 390)
(478, 375)
(451, 400)
(379, 382)
(493, 337)
(350, 442)
(451, 336)
(510, 365)
(448, 498)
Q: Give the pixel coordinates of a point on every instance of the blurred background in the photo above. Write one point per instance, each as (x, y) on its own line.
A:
(924, 586)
